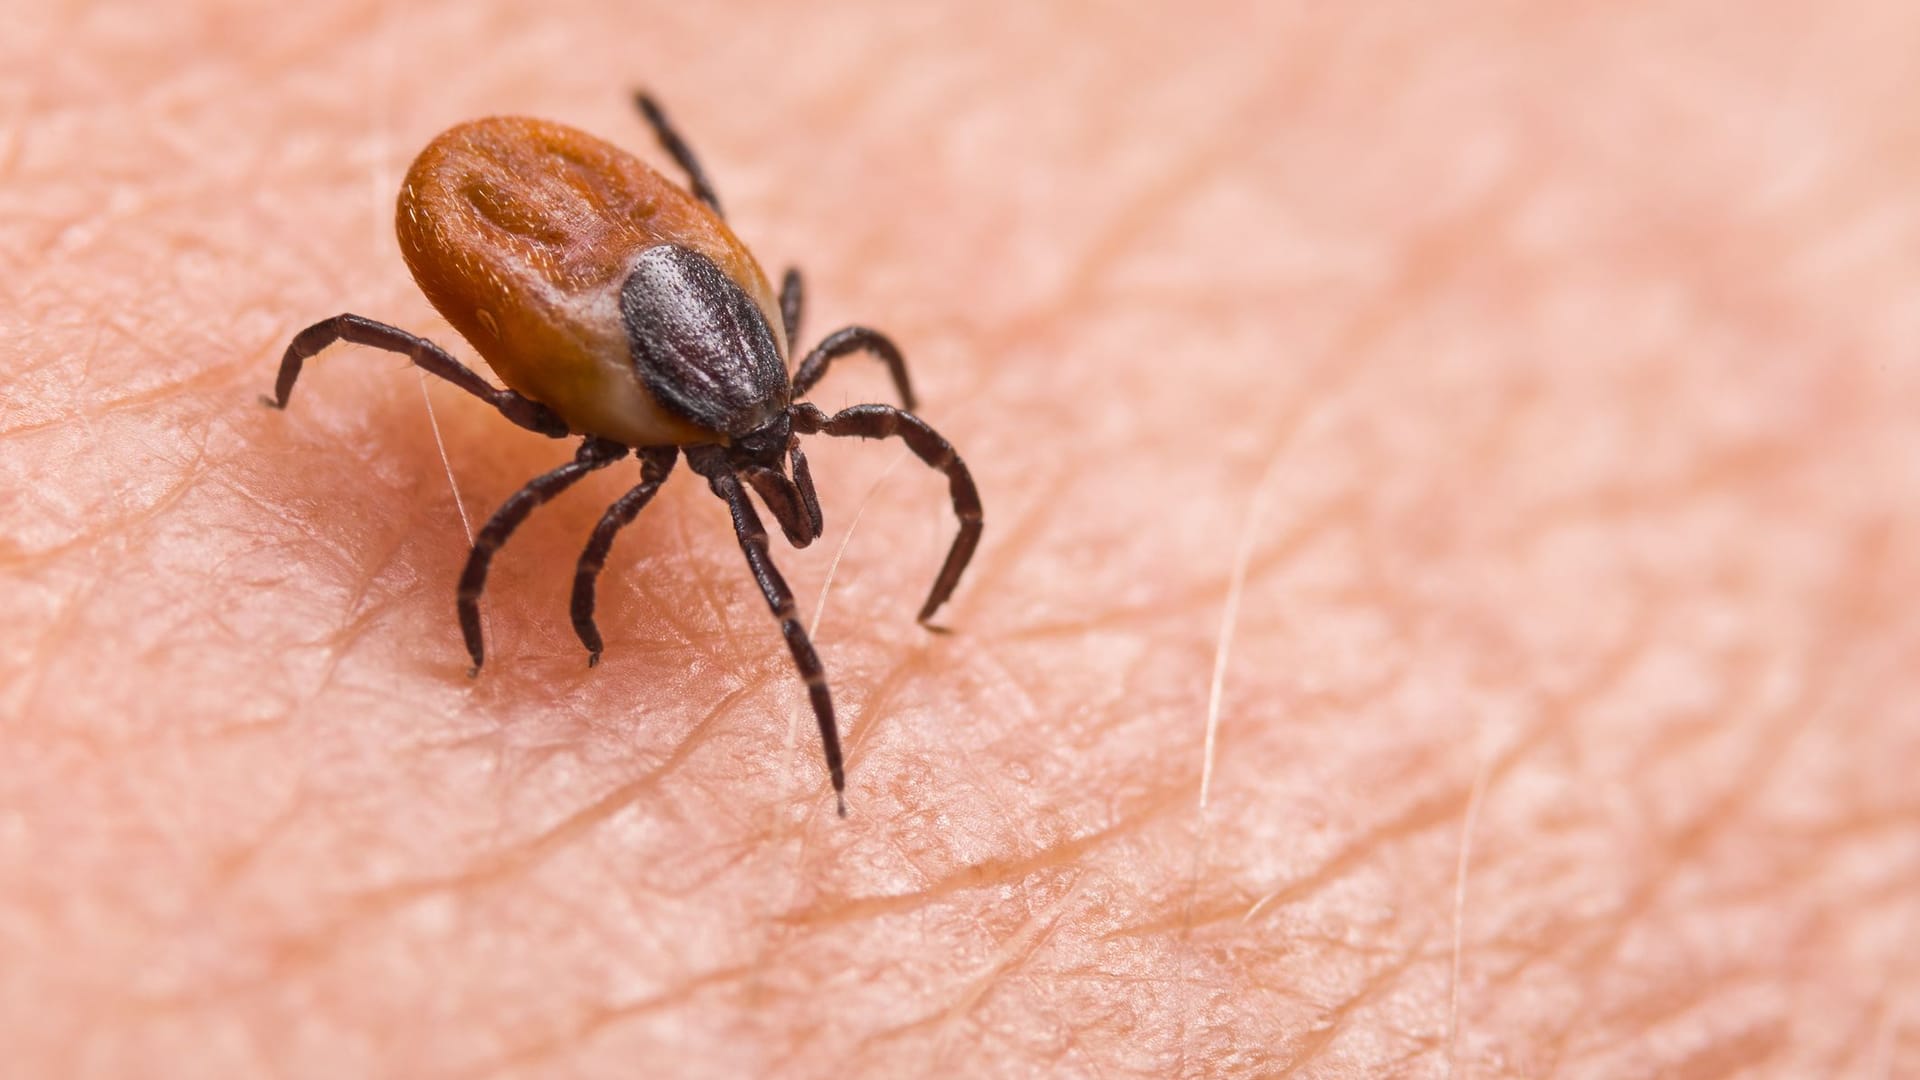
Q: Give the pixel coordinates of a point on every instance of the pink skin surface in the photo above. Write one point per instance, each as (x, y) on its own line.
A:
(1447, 607)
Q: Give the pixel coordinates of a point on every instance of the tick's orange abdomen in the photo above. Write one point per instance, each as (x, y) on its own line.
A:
(521, 233)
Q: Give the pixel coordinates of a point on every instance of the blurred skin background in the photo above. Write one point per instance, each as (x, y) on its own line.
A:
(1450, 477)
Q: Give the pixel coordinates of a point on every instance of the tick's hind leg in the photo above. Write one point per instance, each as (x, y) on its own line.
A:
(853, 339)
(671, 141)
(594, 453)
(711, 462)
(882, 421)
(655, 463)
(429, 357)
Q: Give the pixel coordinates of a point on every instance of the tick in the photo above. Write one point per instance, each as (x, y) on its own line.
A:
(619, 307)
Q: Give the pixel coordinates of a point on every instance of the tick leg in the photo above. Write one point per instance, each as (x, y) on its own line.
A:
(792, 296)
(671, 141)
(711, 462)
(881, 421)
(655, 463)
(853, 339)
(429, 357)
(594, 453)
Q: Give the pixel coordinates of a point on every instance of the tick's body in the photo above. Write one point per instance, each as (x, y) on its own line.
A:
(617, 306)
(524, 233)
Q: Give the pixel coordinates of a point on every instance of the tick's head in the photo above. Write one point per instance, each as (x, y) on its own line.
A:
(764, 446)
(759, 457)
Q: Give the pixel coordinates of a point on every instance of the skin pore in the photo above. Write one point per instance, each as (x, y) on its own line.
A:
(1445, 606)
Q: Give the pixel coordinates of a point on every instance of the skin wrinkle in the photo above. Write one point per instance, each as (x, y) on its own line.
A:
(1640, 1020)
(502, 867)
(1475, 797)
(1305, 528)
(1418, 267)
(1133, 219)
(1011, 679)
(1591, 468)
(1690, 838)
(127, 521)
(163, 394)
(231, 867)
(537, 1053)
(1316, 1042)
(340, 641)
(737, 653)
(1892, 1012)
(1685, 843)
(639, 574)
(865, 724)
(1017, 949)
(1713, 473)
(826, 911)
(1557, 716)
(978, 875)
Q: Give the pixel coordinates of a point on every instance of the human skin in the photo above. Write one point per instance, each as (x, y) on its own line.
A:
(1450, 476)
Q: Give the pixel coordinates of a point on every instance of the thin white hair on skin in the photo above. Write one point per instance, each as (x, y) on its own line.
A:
(453, 484)
(820, 606)
(1230, 615)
